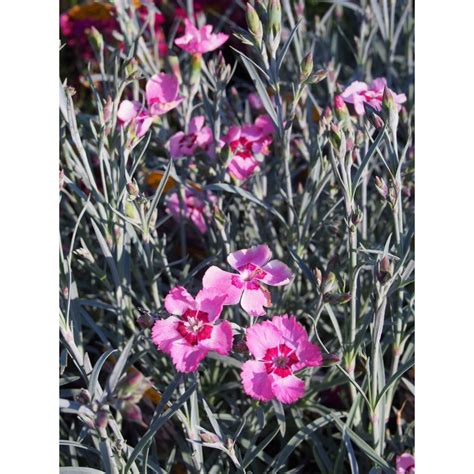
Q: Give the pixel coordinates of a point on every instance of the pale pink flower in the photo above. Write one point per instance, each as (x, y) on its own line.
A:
(255, 101)
(161, 94)
(198, 41)
(358, 93)
(254, 267)
(185, 144)
(248, 144)
(195, 207)
(189, 337)
(281, 347)
(406, 464)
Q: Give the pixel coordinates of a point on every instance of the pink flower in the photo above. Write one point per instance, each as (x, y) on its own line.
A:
(161, 96)
(281, 347)
(189, 337)
(194, 207)
(246, 143)
(185, 144)
(405, 464)
(254, 267)
(358, 93)
(198, 41)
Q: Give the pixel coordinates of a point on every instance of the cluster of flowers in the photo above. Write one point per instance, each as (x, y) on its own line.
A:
(280, 346)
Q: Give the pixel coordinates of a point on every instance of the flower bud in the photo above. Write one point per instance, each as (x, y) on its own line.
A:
(390, 109)
(339, 298)
(101, 419)
(61, 180)
(133, 386)
(330, 359)
(357, 216)
(342, 112)
(329, 283)
(96, 39)
(131, 412)
(210, 438)
(145, 320)
(385, 270)
(132, 189)
(381, 187)
(108, 108)
(374, 119)
(254, 24)
(318, 276)
(317, 76)
(175, 69)
(306, 66)
(274, 15)
(196, 64)
(83, 397)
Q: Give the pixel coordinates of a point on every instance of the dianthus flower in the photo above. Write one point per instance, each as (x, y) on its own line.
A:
(280, 347)
(247, 144)
(405, 464)
(194, 207)
(198, 136)
(358, 93)
(189, 337)
(161, 96)
(254, 267)
(202, 40)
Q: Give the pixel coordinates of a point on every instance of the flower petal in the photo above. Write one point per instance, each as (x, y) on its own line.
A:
(186, 358)
(178, 300)
(223, 282)
(261, 337)
(161, 88)
(309, 355)
(165, 333)
(277, 273)
(287, 389)
(220, 340)
(253, 300)
(128, 110)
(196, 123)
(292, 332)
(258, 255)
(256, 381)
(211, 302)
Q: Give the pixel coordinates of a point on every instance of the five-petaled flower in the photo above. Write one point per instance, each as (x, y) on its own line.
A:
(281, 347)
(198, 136)
(198, 41)
(358, 93)
(405, 464)
(189, 337)
(248, 144)
(193, 207)
(161, 96)
(254, 267)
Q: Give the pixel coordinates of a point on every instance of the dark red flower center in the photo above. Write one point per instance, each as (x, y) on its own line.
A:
(194, 326)
(242, 147)
(188, 140)
(279, 360)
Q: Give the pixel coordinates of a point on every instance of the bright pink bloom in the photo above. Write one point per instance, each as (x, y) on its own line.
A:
(202, 40)
(358, 93)
(254, 267)
(185, 144)
(405, 464)
(248, 144)
(161, 96)
(195, 207)
(189, 337)
(281, 347)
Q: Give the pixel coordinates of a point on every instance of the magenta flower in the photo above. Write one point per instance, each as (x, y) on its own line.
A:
(358, 93)
(185, 144)
(405, 464)
(191, 336)
(281, 347)
(248, 143)
(194, 207)
(198, 41)
(161, 96)
(254, 267)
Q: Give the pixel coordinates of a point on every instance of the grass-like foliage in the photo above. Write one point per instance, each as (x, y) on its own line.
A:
(236, 261)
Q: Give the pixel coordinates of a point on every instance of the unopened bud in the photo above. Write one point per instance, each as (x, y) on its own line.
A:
(145, 320)
(306, 66)
(374, 119)
(274, 15)
(101, 419)
(254, 24)
(96, 39)
(390, 110)
(196, 64)
(132, 189)
(357, 216)
(210, 438)
(318, 276)
(131, 412)
(108, 108)
(381, 187)
(61, 180)
(385, 270)
(317, 76)
(330, 359)
(329, 283)
(338, 298)
(175, 69)
(83, 397)
(133, 386)
(342, 112)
